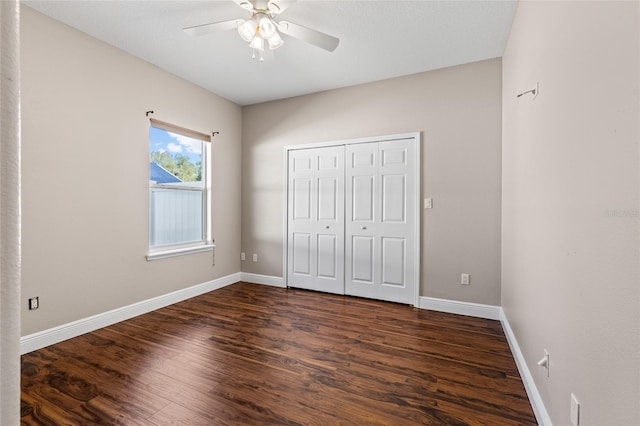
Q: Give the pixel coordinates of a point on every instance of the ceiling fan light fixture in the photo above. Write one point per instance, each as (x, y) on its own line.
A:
(263, 28)
(248, 29)
(275, 41)
(257, 43)
(266, 26)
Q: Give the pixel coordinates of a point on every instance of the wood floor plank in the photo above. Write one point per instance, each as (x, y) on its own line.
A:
(35, 410)
(176, 414)
(249, 354)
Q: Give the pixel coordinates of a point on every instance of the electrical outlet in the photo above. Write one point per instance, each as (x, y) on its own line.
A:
(255, 257)
(242, 256)
(575, 410)
(465, 279)
(428, 203)
(34, 303)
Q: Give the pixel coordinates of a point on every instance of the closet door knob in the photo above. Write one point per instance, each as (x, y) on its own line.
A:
(327, 226)
(364, 227)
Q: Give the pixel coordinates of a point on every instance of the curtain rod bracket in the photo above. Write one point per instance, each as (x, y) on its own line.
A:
(213, 134)
(148, 112)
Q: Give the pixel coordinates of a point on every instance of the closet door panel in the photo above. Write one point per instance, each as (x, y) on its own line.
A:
(315, 219)
(327, 256)
(362, 261)
(363, 212)
(302, 198)
(327, 199)
(396, 229)
(393, 261)
(394, 198)
(389, 170)
(301, 254)
(362, 198)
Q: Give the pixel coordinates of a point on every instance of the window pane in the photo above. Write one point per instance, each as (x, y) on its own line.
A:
(174, 159)
(175, 216)
(176, 193)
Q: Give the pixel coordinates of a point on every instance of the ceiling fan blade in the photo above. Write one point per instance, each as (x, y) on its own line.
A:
(322, 40)
(213, 27)
(278, 6)
(245, 4)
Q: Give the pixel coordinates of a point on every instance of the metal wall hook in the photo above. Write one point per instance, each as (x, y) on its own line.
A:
(534, 92)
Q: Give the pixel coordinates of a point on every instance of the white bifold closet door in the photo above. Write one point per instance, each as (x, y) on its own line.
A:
(315, 255)
(351, 219)
(380, 218)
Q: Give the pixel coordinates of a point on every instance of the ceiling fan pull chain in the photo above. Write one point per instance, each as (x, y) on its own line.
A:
(254, 56)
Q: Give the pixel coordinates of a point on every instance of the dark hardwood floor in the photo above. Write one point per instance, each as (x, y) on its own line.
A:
(249, 354)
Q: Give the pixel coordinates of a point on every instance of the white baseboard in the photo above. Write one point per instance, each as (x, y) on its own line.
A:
(263, 279)
(540, 411)
(57, 334)
(461, 308)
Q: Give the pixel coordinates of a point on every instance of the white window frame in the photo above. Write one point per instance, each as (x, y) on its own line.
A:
(206, 244)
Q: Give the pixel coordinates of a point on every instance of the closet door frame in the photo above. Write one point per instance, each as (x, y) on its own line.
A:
(416, 136)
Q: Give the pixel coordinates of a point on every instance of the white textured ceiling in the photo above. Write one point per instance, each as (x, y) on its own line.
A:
(378, 40)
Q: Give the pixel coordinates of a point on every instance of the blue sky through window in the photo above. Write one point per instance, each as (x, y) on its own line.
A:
(163, 141)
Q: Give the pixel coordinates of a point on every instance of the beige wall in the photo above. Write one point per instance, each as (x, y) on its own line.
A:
(570, 182)
(570, 278)
(85, 175)
(458, 110)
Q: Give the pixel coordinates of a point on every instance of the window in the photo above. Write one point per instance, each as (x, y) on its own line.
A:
(178, 191)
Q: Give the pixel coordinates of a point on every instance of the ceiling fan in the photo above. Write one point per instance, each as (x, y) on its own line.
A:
(261, 30)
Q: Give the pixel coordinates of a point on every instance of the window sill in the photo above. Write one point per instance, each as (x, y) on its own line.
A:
(157, 255)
